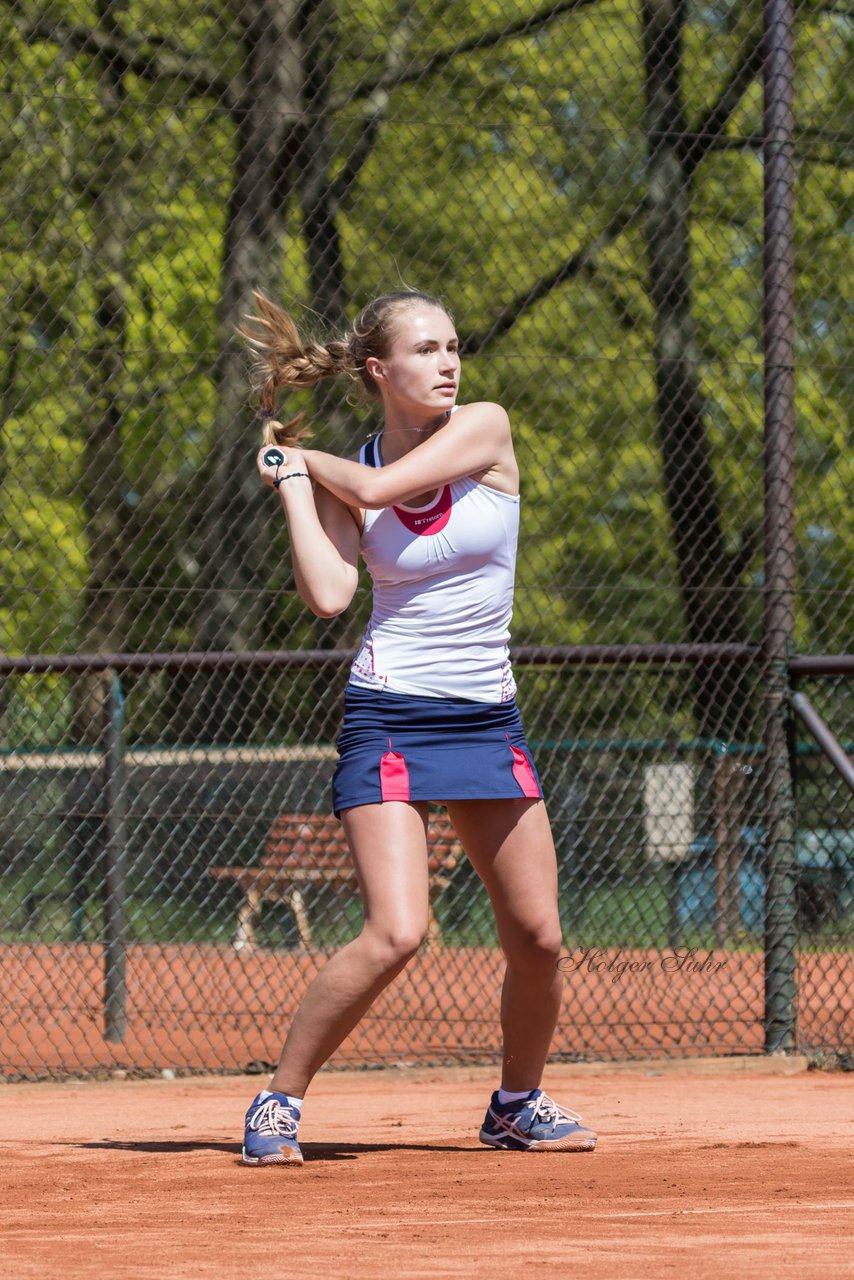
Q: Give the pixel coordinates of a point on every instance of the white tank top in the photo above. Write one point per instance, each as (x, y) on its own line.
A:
(442, 593)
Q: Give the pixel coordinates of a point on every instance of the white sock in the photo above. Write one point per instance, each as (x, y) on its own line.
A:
(294, 1102)
(508, 1095)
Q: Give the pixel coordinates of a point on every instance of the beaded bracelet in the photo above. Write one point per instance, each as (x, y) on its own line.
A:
(290, 476)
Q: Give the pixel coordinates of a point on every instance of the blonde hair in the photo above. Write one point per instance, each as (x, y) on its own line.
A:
(283, 358)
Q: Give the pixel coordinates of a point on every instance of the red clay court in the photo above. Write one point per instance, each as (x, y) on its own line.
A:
(705, 1166)
(704, 1169)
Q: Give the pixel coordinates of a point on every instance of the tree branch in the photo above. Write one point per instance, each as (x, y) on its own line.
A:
(346, 179)
(584, 260)
(712, 124)
(390, 79)
(755, 142)
(131, 53)
(396, 50)
(701, 141)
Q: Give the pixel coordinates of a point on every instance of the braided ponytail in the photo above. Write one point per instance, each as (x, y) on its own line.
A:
(281, 358)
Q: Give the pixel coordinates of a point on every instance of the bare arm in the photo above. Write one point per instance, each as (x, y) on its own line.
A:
(324, 539)
(474, 442)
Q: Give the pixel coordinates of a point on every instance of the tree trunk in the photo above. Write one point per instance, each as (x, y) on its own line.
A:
(316, 191)
(710, 598)
(268, 112)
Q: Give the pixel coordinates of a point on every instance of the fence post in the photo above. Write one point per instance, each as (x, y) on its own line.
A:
(115, 893)
(781, 888)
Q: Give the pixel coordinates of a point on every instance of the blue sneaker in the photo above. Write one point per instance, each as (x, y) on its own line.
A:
(536, 1123)
(271, 1131)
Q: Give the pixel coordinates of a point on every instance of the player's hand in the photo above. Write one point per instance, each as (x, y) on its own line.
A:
(274, 461)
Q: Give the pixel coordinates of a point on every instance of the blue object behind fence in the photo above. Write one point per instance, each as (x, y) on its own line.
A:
(825, 878)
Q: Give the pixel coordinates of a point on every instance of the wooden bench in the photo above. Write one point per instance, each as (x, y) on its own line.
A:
(310, 849)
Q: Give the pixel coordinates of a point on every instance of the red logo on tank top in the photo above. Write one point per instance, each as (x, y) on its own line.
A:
(433, 520)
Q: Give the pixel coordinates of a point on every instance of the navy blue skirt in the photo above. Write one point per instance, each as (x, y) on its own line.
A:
(396, 747)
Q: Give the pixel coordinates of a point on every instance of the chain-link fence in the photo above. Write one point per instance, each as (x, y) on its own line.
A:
(603, 192)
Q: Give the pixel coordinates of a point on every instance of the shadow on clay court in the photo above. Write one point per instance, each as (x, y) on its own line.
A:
(348, 1150)
(310, 1150)
(164, 1148)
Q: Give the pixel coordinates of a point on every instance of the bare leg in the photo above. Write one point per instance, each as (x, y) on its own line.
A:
(509, 843)
(389, 847)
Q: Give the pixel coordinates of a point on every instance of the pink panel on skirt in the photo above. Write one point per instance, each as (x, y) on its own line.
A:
(394, 776)
(524, 774)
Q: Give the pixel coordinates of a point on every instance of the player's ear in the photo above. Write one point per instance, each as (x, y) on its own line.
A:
(374, 367)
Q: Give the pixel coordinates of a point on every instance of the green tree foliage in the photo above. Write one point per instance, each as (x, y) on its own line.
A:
(495, 154)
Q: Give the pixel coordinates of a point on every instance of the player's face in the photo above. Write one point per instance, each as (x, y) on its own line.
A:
(422, 369)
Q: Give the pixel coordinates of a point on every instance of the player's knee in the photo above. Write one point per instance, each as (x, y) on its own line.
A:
(394, 946)
(536, 948)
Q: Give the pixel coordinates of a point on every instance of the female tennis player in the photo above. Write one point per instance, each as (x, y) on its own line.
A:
(432, 506)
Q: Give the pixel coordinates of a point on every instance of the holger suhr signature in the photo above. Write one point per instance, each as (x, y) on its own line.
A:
(615, 964)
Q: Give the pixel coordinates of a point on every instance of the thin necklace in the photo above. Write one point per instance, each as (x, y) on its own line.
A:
(431, 426)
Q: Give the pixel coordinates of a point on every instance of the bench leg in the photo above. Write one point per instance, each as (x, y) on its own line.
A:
(297, 905)
(246, 917)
